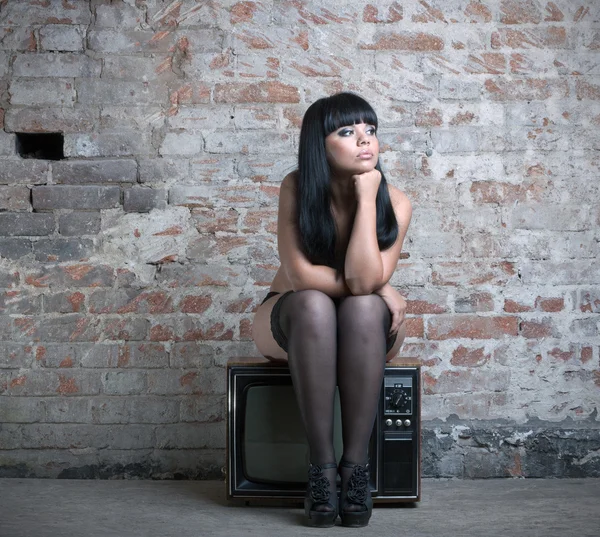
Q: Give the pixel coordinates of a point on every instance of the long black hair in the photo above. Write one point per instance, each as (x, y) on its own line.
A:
(315, 219)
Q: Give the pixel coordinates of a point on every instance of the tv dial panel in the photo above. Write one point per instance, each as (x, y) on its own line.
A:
(397, 402)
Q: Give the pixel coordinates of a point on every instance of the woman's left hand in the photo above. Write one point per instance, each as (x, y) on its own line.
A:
(395, 303)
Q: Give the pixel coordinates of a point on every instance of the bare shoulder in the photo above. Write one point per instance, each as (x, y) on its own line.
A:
(290, 180)
(400, 201)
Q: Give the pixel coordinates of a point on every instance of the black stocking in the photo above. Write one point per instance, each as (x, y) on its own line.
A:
(308, 319)
(363, 324)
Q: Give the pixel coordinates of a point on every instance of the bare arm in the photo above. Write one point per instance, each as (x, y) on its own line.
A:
(366, 268)
(300, 271)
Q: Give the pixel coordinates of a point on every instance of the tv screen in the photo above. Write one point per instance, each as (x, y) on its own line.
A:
(274, 446)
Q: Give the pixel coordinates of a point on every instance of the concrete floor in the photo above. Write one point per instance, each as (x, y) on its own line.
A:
(482, 508)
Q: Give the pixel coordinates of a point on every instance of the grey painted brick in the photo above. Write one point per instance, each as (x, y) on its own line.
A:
(51, 382)
(15, 198)
(61, 37)
(141, 409)
(189, 144)
(18, 38)
(56, 65)
(21, 171)
(8, 278)
(22, 410)
(79, 223)
(65, 120)
(106, 144)
(4, 57)
(60, 250)
(64, 302)
(251, 142)
(35, 13)
(33, 91)
(125, 16)
(15, 356)
(20, 302)
(95, 92)
(7, 144)
(68, 410)
(143, 200)
(11, 436)
(76, 197)
(70, 276)
(94, 171)
(163, 169)
(190, 436)
(26, 224)
(124, 382)
(5, 333)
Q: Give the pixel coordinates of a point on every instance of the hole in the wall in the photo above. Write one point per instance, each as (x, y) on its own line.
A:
(47, 146)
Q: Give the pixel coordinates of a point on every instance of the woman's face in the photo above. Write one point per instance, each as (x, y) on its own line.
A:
(352, 149)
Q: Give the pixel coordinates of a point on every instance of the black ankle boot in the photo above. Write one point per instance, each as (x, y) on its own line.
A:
(318, 493)
(356, 491)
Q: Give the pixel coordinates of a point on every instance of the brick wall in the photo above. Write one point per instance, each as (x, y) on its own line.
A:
(129, 271)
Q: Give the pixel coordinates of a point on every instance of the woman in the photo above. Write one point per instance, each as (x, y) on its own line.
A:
(331, 311)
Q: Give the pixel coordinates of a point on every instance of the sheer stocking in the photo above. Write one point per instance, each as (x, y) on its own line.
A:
(308, 319)
(363, 324)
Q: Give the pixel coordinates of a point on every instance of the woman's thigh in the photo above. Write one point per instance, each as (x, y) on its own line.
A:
(261, 331)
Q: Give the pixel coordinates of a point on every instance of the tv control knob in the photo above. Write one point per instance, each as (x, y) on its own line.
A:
(398, 423)
(407, 423)
(388, 422)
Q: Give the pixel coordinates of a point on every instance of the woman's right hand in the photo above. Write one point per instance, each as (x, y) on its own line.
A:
(395, 303)
(366, 185)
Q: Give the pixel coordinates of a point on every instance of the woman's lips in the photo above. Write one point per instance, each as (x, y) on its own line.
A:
(365, 155)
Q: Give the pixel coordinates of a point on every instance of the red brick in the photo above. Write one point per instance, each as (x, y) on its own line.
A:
(471, 327)
(589, 302)
(242, 12)
(587, 353)
(430, 14)
(261, 92)
(467, 380)
(554, 13)
(506, 193)
(531, 89)
(586, 90)
(512, 306)
(478, 12)
(246, 329)
(428, 118)
(214, 332)
(213, 220)
(519, 12)
(462, 356)
(414, 327)
(474, 302)
(240, 306)
(549, 304)
(537, 329)
(487, 62)
(195, 304)
(418, 42)
(460, 274)
(421, 307)
(549, 37)
(561, 354)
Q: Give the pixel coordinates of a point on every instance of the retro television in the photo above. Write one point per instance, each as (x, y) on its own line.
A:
(267, 451)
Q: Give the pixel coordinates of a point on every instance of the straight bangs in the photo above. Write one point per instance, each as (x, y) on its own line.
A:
(346, 109)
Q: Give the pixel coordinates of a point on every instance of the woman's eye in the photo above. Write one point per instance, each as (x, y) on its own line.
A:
(345, 132)
(371, 130)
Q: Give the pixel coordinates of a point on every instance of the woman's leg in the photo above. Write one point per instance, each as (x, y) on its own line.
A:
(308, 319)
(363, 324)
